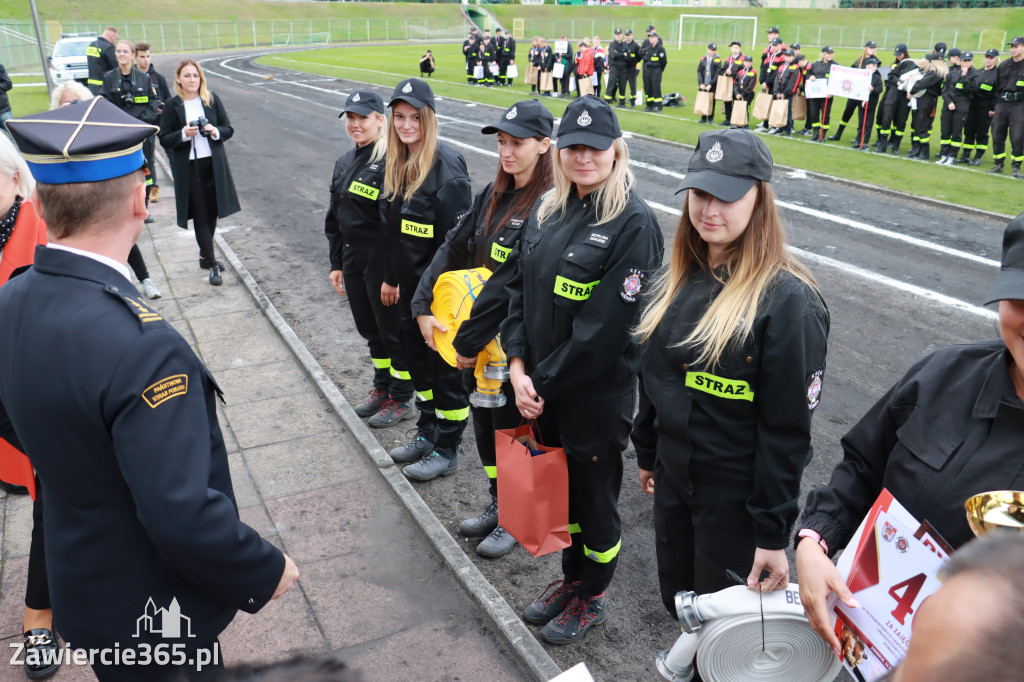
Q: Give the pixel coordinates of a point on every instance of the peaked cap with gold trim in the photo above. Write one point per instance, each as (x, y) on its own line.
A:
(85, 142)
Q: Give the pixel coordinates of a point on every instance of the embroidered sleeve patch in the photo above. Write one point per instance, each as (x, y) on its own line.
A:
(814, 389)
(165, 389)
(632, 284)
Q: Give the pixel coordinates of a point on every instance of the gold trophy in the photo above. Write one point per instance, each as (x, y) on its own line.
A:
(999, 509)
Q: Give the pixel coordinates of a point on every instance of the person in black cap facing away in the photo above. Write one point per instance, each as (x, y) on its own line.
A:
(708, 71)
(853, 105)
(955, 105)
(731, 67)
(892, 114)
(585, 257)
(982, 86)
(866, 111)
(138, 412)
(485, 237)
(926, 91)
(427, 188)
(949, 429)
(358, 249)
(1009, 111)
(819, 108)
(733, 340)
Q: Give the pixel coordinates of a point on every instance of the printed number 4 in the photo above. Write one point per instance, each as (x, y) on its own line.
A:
(905, 603)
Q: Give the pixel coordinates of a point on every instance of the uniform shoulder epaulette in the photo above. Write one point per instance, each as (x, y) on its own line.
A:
(134, 302)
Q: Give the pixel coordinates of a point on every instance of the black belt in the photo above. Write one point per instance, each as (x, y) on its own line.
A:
(1011, 97)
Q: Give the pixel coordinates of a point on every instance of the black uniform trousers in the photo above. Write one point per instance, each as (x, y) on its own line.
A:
(631, 80)
(380, 325)
(852, 107)
(652, 85)
(865, 119)
(487, 420)
(819, 114)
(470, 65)
(594, 432)
(137, 263)
(202, 204)
(951, 127)
(616, 83)
(697, 539)
(923, 118)
(1009, 118)
(37, 590)
(892, 115)
(441, 396)
(976, 129)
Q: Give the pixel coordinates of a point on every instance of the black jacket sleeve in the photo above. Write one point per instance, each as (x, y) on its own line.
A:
(5, 80)
(644, 435)
(489, 309)
(332, 228)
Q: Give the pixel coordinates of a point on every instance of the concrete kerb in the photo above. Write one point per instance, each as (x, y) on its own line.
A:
(529, 651)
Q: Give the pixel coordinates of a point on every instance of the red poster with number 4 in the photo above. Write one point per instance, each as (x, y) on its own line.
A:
(891, 565)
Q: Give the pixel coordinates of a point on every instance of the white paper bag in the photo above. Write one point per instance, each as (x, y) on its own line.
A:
(572, 83)
(594, 80)
(478, 72)
(493, 66)
(639, 98)
(512, 71)
(558, 70)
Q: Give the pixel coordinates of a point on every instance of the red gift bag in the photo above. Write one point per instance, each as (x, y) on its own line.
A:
(533, 491)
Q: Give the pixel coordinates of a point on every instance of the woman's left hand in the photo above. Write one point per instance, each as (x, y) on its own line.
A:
(775, 562)
(214, 133)
(462, 362)
(428, 323)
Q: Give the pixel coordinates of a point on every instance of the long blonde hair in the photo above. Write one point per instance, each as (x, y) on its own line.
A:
(204, 93)
(754, 260)
(610, 198)
(938, 66)
(404, 173)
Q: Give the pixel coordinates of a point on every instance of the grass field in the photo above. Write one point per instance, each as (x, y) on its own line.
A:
(966, 186)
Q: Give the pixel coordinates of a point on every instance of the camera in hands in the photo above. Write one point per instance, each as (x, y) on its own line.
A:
(201, 123)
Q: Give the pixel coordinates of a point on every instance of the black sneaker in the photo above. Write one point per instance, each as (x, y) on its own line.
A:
(40, 654)
(374, 401)
(419, 445)
(215, 278)
(481, 525)
(578, 617)
(547, 606)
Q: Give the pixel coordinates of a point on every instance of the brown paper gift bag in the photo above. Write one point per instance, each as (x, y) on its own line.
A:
(531, 75)
(762, 105)
(739, 113)
(546, 82)
(585, 85)
(799, 107)
(779, 117)
(533, 498)
(724, 88)
(702, 105)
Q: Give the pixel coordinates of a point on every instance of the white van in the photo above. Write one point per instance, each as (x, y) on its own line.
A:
(68, 61)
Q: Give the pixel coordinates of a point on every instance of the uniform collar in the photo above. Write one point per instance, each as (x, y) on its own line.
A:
(998, 388)
(57, 259)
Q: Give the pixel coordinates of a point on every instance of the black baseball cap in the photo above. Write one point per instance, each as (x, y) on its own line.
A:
(1019, 40)
(799, 57)
(588, 121)
(795, 46)
(629, 31)
(727, 163)
(992, 53)
(747, 58)
(870, 43)
(363, 102)
(872, 60)
(415, 92)
(967, 57)
(735, 42)
(901, 49)
(940, 48)
(524, 119)
(1009, 283)
(788, 52)
(618, 31)
(776, 41)
(773, 29)
(955, 52)
(712, 46)
(828, 49)
(650, 27)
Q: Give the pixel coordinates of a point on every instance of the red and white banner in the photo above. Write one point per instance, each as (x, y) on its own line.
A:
(844, 81)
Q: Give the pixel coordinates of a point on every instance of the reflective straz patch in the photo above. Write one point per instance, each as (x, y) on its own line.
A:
(165, 389)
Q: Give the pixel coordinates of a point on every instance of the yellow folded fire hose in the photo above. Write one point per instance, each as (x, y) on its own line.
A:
(454, 294)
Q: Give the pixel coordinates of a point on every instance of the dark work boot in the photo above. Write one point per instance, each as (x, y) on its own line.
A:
(374, 401)
(1016, 169)
(923, 151)
(978, 153)
(881, 144)
(894, 145)
(551, 603)
(579, 616)
(915, 149)
(998, 168)
(835, 137)
(965, 157)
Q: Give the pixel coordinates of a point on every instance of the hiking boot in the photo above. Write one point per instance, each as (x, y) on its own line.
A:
(578, 617)
(432, 465)
(837, 135)
(497, 544)
(998, 168)
(481, 525)
(965, 158)
(414, 450)
(547, 606)
(375, 400)
(1016, 170)
(149, 289)
(392, 412)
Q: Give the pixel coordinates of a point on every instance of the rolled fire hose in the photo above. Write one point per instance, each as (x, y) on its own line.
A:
(722, 638)
(454, 293)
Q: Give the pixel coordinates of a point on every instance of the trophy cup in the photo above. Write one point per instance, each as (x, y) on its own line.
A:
(996, 510)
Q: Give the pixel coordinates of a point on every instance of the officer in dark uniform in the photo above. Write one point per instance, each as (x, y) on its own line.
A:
(101, 58)
(892, 114)
(139, 512)
(819, 108)
(931, 445)
(617, 51)
(574, 298)
(655, 60)
(487, 54)
(709, 68)
(358, 253)
(469, 51)
(1009, 111)
(929, 87)
(955, 105)
(982, 86)
(632, 60)
(506, 56)
(746, 83)
(866, 110)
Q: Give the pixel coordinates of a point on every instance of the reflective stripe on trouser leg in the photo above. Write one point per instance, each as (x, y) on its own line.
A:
(450, 404)
(487, 420)
(400, 374)
(603, 557)
(381, 363)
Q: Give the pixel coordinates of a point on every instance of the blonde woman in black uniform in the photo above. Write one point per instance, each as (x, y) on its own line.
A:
(586, 253)
(484, 238)
(358, 252)
(427, 188)
(733, 339)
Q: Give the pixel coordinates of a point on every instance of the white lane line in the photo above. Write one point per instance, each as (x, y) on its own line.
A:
(847, 268)
(861, 273)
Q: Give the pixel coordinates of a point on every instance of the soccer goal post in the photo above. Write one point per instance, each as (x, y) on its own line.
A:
(715, 28)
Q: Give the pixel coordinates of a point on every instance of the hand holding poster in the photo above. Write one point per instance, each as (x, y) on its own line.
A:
(844, 81)
(891, 565)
